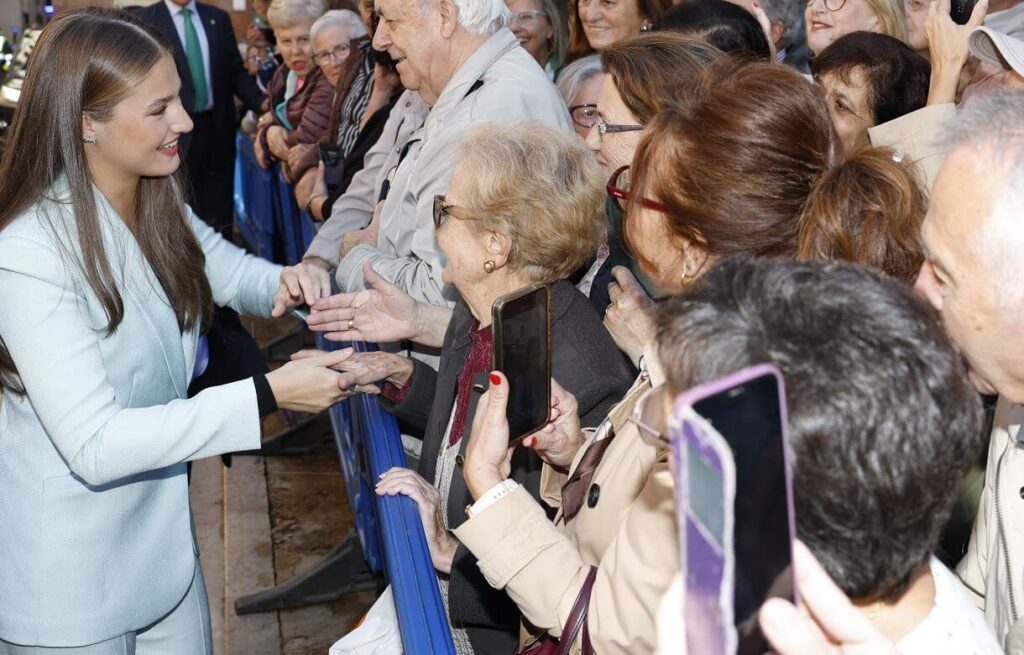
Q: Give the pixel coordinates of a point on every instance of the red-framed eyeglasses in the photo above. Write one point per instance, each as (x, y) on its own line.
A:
(618, 190)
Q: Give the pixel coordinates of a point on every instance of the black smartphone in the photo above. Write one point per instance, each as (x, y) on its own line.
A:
(333, 166)
(521, 322)
(960, 10)
(751, 562)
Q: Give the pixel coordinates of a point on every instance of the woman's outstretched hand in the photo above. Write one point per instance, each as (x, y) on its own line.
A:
(309, 384)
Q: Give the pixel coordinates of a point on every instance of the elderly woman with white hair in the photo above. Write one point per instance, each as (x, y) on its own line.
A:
(300, 94)
(579, 84)
(497, 239)
(341, 49)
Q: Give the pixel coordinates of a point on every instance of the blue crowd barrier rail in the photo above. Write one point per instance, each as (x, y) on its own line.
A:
(367, 437)
(255, 200)
(391, 530)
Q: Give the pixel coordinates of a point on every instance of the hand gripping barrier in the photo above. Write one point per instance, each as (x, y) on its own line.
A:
(366, 432)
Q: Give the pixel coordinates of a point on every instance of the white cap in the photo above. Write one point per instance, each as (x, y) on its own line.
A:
(997, 48)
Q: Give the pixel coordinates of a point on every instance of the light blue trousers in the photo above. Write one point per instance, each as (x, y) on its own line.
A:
(183, 631)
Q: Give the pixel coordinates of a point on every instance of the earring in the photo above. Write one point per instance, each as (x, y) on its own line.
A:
(489, 266)
(89, 139)
(686, 272)
(646, 27)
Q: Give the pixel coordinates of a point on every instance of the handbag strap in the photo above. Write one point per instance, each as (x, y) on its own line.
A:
(578, 618)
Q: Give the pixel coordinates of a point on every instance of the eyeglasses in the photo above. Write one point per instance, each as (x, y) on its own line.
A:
(584, 115)
(618, 190)
(443, 209)
(339, 53)
(527, 17)
(831, 5)
(649, 417)
(604, 128)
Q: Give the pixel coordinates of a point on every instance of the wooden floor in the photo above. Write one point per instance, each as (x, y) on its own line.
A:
(259, 522)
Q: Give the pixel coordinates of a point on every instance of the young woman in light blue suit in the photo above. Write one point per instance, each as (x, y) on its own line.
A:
(106, 281)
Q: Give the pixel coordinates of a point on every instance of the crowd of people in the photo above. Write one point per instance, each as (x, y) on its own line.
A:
(832, 188)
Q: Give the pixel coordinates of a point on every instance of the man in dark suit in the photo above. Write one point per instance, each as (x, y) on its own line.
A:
(212, 75)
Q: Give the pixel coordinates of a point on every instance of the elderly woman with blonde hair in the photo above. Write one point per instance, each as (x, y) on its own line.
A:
(525, 206)
(300, 94)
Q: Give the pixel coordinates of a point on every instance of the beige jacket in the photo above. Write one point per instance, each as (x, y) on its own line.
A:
(916, 136)
(630, 534)
(993, 568)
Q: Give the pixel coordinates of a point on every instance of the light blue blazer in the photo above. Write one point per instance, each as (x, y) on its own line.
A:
(95, 525)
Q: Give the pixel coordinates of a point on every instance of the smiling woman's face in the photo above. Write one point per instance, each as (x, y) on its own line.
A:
(606, 22)
(141, 139)
(825, 25)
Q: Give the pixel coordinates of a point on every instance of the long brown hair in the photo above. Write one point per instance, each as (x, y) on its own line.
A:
(866, 210)
(734, 169)
(86, 62)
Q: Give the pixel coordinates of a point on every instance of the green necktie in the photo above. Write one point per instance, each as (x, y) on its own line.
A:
(194, 54)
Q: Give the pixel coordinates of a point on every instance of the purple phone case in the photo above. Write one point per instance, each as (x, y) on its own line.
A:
(703, 587)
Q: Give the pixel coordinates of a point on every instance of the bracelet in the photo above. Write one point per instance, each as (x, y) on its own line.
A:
(309, 203)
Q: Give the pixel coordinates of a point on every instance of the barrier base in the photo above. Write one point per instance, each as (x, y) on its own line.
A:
(341, 572)
(314, 434)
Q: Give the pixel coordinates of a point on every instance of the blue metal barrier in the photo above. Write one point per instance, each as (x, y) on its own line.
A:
(289, 220)
(367, 438)
(254, 200)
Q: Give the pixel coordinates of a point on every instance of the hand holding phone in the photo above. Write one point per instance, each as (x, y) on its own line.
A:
(521, 323)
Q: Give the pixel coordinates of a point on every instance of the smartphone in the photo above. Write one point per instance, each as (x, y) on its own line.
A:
(300, 312)
(334, 167)
(734, 487)
(960, 10)
(521, 322)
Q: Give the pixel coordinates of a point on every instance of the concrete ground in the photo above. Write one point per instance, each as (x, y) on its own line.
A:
(259, 522)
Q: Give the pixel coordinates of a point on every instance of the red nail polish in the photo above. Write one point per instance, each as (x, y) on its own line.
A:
(495, 379)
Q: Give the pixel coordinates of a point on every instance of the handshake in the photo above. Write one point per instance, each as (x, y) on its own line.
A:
(314, 379)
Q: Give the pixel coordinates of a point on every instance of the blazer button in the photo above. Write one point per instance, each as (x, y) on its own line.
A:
(459, 460)
(593, 495)
(1022, 492)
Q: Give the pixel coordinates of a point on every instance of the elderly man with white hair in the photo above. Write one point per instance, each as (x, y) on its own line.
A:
(972, 274)
(469, 67)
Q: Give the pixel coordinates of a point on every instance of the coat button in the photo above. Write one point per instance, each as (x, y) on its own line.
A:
(1022, 492)
(593, 495)
(459, 460)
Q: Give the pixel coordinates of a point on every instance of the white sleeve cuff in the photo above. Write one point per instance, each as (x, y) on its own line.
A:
(491, 496)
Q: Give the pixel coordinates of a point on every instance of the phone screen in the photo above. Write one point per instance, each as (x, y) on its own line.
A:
(749, 419)
(523, 354)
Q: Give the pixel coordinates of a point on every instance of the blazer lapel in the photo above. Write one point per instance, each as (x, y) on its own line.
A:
(140, 285)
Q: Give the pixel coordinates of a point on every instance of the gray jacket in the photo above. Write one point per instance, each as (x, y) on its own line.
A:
(354, 208)
(513, 87)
